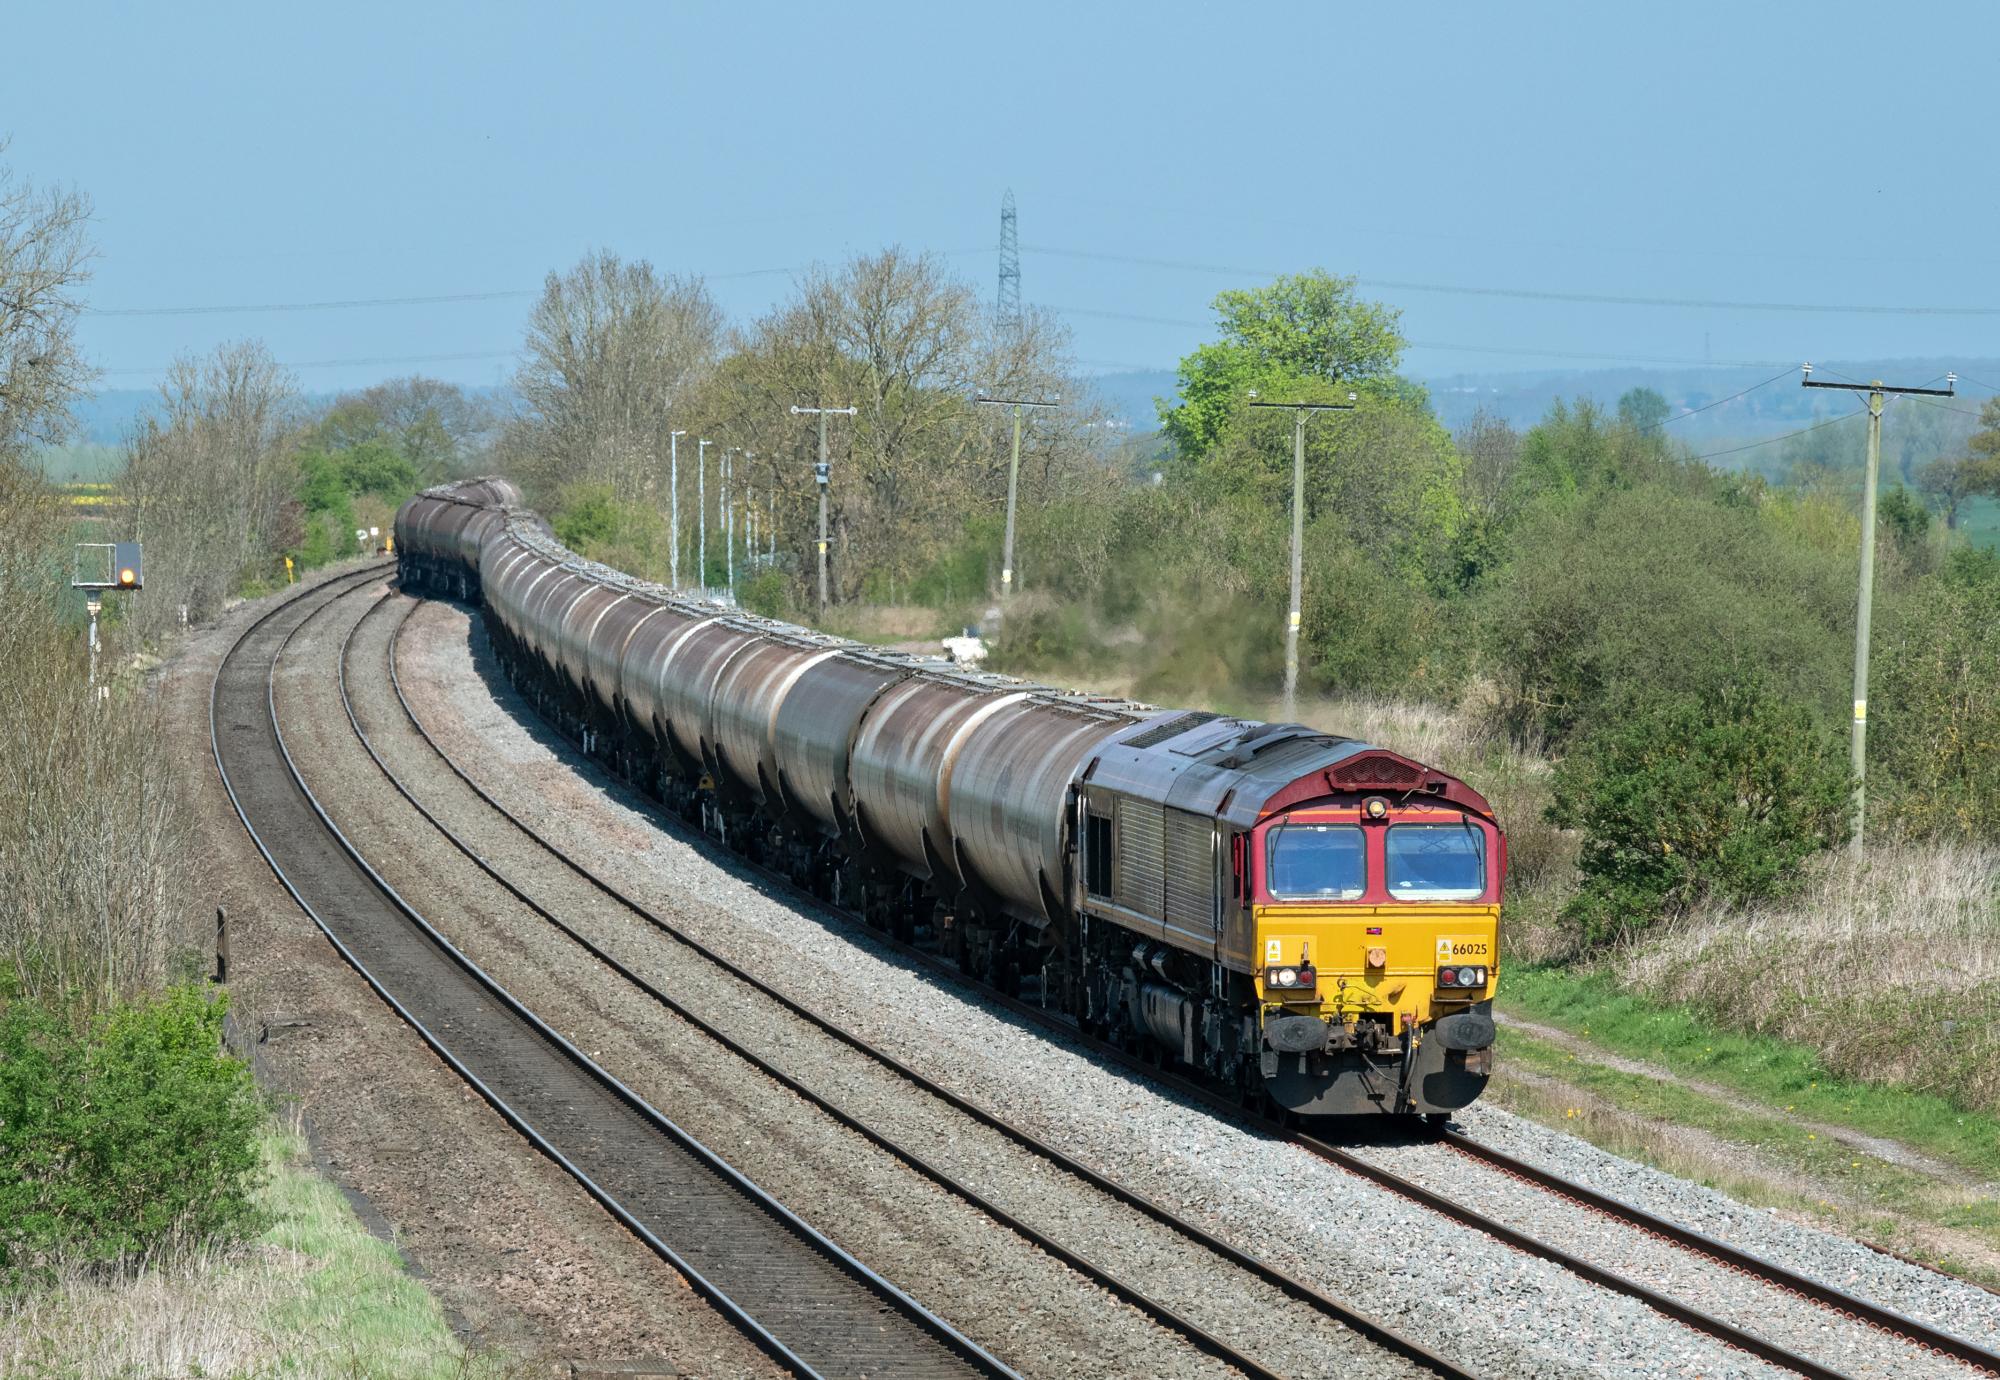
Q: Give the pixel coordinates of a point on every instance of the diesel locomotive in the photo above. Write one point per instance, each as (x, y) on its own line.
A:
(1311, 920)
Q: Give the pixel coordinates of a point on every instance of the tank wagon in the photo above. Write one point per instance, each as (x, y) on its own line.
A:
(1309, 919)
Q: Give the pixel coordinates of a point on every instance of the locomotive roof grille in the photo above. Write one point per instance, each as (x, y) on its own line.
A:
(1373, 770)
(1170, 728)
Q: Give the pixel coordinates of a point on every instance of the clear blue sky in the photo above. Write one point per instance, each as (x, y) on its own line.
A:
(1829, 154)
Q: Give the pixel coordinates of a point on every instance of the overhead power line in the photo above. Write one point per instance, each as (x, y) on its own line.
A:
(1509, 350)
(354, 363)
(422, 300)
(1773, 440)
(1534, 294)
(1697, 411)
(341, 305)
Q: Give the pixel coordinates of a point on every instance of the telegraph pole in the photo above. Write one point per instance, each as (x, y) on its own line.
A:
(820, 474)
(674, 505)
(1013, 481)
(1300, 411)
(701, 520)
(1857, 748)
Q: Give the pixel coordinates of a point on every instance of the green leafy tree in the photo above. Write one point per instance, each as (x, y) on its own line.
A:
(1719, 793)
(1906, 521)
(1936, 703)
(1643, 409)
(1951, 480)
(119, 1137)
(1305, 335)
(1656, 586)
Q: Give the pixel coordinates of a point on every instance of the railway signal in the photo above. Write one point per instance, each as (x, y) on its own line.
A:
(1013, 481)
(1857, 750)
(820, 475)
(101, 566)
(1300, 411)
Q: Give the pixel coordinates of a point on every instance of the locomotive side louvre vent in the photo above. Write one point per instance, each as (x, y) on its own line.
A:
(1372, 770)
(1190, 872)
(1171, 728)
(1139, 864)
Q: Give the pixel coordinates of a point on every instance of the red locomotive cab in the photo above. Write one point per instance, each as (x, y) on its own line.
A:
(1382, 880)
(1374, 852)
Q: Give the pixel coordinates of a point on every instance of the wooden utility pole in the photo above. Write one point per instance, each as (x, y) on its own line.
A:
(1300, 411)
(1857, 748)
(1013, 482)
(820, 475)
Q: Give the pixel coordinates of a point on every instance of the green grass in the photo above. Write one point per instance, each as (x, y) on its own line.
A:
(1785, 1139)
(315, 1297)
(1774, 1072)
(357, 1307)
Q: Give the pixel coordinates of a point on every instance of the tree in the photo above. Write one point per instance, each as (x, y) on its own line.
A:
(1717, 793)
(1950, 480)
(439, 427)
(1643, 409)
(45, 256)
(211, 478)
(1937, 682)
(899, 337)
(1303, 331)
(612, 347)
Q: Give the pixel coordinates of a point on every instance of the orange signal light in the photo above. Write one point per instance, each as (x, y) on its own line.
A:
(128, 577)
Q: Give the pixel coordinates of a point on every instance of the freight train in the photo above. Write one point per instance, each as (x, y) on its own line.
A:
(1310, 920)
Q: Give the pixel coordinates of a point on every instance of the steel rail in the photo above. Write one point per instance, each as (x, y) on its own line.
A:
(967, 1355)
(1848, 1305)
(1165, 1314)
(1918, 1334)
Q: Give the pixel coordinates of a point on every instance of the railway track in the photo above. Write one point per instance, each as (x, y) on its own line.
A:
(1926, 1341)
(809, 1304)
(1313, 1303)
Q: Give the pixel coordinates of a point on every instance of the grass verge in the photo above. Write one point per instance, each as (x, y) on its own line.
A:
(1753, 1116)
(1777, 1073)
(314, 1297)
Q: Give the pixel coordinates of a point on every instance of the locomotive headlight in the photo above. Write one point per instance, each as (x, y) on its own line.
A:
(1468, 977)
(1288, 977)
(1461, 978)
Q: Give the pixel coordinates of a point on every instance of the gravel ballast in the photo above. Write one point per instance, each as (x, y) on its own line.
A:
(1019, 1302)
(1495, 1309)
(520, 1256)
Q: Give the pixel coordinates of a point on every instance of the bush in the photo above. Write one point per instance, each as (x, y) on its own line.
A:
(1659, 588)
(1718, 794)
(123, 1135)
(1936, 704)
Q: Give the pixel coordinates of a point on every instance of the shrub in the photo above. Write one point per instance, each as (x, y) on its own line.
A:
(1936, 704)
(1719, 793)
(1659, 588)
(122, 1135)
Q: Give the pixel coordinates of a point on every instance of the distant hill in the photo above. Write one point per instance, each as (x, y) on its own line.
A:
(1522, 399)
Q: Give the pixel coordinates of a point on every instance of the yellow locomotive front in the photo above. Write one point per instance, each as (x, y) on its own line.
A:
(1376, 924)
(1311, 918)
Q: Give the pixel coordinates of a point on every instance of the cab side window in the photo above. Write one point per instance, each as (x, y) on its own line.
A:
(1097, 854)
